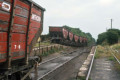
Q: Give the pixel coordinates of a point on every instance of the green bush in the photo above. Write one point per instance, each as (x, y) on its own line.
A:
(111, 36)
(111, 58)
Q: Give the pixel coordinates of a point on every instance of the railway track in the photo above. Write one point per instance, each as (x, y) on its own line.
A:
(116, 51)
(102, 68)
(90, 68)
(115, 55)
(49, 68)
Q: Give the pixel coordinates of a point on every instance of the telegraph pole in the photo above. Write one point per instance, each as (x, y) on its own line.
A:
(111, 23)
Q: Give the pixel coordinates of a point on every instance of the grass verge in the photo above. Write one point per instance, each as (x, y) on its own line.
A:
(43, 43)
(105, 52)
(102, 52)
(51, 52)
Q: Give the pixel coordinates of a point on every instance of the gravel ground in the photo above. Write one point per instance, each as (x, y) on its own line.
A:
(57, 54)
(71, 70)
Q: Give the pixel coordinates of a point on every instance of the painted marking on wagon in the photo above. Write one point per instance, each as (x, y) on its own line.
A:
(19, 46)
(65, 31)
(36, 18)
(15, 46)
(6, 6)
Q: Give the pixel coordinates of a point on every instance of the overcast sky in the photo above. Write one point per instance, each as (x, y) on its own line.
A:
(91, 16)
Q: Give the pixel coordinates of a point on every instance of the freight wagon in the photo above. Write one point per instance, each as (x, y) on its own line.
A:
(84, 41)
(70, 38)
(21, 23)
(58, 34)
(63, 36)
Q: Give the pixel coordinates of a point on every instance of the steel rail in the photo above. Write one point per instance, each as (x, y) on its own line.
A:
(90, 68)
(49, 60)
(115, 56)
(56, 57)
(58, 66)
(114, 50)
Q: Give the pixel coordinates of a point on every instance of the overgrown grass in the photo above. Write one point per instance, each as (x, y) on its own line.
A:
(51, 51)
(117, 66)
(116, 46)
(96, 55)
(105, 51)
(102, 52)
(111, 58)
(43, 43)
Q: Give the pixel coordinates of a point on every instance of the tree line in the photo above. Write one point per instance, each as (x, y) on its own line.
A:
(111, 36)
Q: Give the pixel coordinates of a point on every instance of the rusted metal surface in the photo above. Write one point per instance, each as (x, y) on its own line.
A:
(58, 32)
(39, 31)
(21, 23)
(55, 29)
(27, 52)
(63, 36)
(9, 33)
(55, 32)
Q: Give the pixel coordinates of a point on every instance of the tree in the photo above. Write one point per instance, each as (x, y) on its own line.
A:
(112, 37)
(101, 38)
(116, 31)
